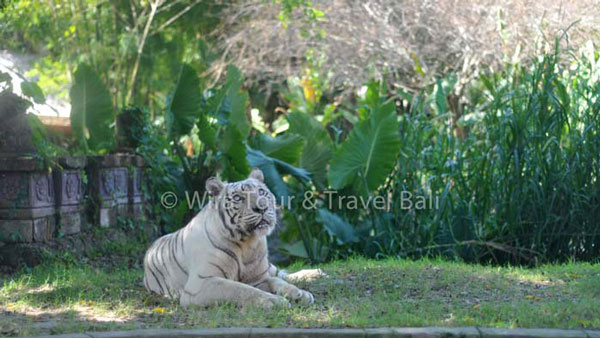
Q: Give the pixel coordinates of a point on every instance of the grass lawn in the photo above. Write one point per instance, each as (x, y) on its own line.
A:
(67, 295)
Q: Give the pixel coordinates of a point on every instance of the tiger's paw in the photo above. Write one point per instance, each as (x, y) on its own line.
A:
(299, 296)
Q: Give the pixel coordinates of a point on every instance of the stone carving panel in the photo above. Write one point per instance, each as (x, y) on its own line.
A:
(42, 190)
(120, 183)
(107, 183)
(72, 187)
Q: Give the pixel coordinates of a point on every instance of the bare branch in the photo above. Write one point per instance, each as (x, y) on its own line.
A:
(154, 6)
(391, 37)
(177, 16)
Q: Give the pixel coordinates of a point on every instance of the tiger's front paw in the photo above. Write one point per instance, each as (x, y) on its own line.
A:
(299, 296)
(306, 297)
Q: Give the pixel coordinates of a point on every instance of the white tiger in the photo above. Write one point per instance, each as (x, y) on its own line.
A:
(221, 255)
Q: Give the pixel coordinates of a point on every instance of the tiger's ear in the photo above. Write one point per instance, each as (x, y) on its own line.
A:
(257, 174)
(214, 186)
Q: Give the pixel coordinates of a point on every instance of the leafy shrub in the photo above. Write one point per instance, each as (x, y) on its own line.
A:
(521, 187)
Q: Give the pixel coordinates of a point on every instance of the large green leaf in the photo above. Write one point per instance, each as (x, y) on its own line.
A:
(32, 90)
(318, 252)
(318, 147)
(206, 132)
(184, 106)
(228, 103)
(286, 147)
(92, 115)
(272, 169)
(296, 249)
(370, 151)
(237, 100)
(233, 148)
(343, 232)
(374, 98)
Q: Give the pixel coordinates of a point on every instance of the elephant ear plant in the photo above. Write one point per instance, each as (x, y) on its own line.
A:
(355, 169)
(92, 114)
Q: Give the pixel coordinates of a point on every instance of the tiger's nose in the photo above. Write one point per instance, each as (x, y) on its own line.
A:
(259, 208)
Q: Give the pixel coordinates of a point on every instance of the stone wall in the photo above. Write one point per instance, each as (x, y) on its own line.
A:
(39, 203)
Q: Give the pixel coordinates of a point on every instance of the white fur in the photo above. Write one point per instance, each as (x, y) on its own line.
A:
(203, 264)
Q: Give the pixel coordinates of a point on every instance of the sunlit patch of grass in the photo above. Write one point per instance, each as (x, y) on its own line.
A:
(63, 298)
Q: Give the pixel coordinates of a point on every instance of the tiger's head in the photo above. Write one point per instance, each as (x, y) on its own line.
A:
(246, 208)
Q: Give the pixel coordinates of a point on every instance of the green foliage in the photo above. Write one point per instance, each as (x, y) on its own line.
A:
(512, 180)
(233, 148)
(185, 105)
(206, 132)
(309, 20)
(287, 147)
(92, 115)
(42, 140)
(109, 36)
(343, 232)
(164, 173)
(273, 169)
(32, 90)
(236, 100)
(226, 138)
(370, 151)
(317, 150)
(131, 123)
(518, 187)
(209, 134)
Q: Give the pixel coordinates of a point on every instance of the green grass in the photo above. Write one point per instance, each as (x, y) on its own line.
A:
(64, 297)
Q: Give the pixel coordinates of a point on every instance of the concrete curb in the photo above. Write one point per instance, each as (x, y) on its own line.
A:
(420, 332)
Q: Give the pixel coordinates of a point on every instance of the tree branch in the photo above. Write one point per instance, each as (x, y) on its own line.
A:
(176, 16)
(154, 6)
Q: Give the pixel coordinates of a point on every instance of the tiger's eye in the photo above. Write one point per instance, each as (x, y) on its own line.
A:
(262, 192)
(237, 198)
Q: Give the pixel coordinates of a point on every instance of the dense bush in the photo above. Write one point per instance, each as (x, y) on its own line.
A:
(521, 186)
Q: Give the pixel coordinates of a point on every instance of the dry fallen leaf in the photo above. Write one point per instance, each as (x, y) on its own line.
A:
(532, 297)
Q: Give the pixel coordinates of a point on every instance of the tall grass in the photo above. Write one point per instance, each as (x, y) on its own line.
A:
(522, 187)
